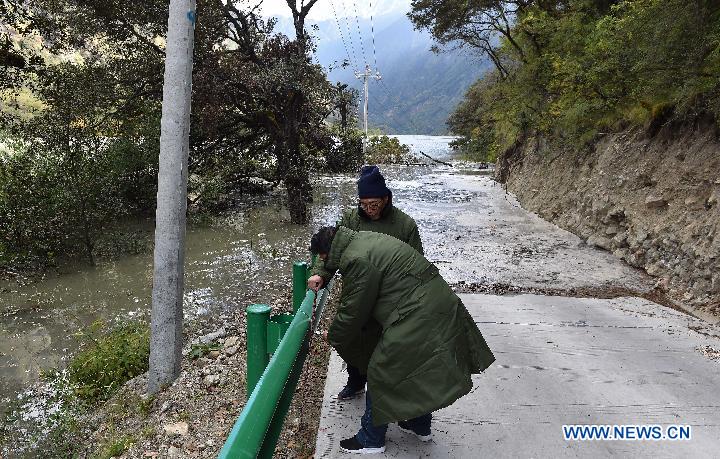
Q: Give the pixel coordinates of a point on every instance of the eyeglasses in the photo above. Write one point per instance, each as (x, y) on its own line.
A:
(368, 205)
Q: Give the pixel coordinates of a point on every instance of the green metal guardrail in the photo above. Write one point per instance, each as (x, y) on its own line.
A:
(271, 382)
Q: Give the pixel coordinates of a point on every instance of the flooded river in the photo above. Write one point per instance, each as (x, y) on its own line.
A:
(243, 257)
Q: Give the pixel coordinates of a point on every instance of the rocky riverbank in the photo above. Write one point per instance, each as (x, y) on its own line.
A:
(189, 419)
(193, 417)
(651, 200)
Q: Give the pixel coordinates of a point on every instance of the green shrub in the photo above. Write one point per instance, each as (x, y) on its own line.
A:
(345, 154)
(476, 148)
(55, 203)
(109, 360)
(29, 229)
(387, 150)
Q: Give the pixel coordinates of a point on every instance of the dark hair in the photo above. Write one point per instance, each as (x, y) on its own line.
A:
(321, 241)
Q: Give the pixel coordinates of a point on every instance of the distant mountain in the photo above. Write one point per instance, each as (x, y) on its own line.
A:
(419, 88)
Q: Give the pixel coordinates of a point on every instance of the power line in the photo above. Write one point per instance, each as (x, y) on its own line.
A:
(357, 22)
(349, 32)
(342, 37)
(372, 33)
(366, 75)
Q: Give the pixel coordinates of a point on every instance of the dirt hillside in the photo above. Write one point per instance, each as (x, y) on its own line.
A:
(651, 200)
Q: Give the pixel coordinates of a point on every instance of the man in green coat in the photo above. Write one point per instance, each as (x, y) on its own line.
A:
(428, 347)
(375, 212)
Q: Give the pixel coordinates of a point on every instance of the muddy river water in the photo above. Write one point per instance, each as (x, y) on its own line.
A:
(246, 257)
(243, 257)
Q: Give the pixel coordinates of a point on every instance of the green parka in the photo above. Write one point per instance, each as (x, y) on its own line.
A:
(392, 221)
(428, 346)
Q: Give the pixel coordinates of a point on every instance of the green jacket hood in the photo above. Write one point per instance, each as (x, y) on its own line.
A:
(343, 237)
(394, 222)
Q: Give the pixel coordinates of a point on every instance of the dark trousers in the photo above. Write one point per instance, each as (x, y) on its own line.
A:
(371, 436)
(356, 381)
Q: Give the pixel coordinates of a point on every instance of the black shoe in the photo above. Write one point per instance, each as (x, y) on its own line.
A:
(352, 445)
(423, 436)
(349, 392)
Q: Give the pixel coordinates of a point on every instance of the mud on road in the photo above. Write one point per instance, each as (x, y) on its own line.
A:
(599, 355)
(478, 235)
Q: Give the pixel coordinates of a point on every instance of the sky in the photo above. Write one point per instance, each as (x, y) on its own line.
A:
(323, 9)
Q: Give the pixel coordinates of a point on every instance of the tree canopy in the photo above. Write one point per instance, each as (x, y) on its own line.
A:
(573, 69)
(80, 99)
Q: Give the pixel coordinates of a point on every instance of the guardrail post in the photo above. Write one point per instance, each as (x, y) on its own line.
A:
(300, 273)
(256, 337)
(276, 328)
(257, 429)
(267, 449)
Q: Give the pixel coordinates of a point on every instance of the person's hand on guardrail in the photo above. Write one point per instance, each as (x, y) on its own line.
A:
(315, 282)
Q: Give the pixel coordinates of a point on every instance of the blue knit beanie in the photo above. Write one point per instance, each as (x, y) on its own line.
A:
(371, 183)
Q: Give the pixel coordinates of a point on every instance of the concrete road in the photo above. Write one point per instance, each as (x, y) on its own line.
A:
(566, 361)
(560, 360)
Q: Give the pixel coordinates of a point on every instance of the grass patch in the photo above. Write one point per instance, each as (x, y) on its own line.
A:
(201, 350)
(116, 446)
(109, 359)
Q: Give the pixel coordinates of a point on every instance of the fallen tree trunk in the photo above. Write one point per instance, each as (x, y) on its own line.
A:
(436, 160)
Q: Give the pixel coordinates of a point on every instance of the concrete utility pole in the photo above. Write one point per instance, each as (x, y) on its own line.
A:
(365, 76)
(169, 270)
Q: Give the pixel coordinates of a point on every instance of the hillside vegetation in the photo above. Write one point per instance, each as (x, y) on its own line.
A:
(572, 70)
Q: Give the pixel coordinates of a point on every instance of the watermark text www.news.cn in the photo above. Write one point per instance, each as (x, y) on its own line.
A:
(631, 432)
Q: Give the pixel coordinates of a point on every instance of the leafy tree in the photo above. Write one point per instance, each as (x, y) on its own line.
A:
(345, 153)
(572, 69)
(479, 24)
(72, 176)
(387, 150)
(345, 101)
(279, 95)
(259, 105)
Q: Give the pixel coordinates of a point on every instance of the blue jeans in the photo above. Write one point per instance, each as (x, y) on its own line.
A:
(371, 436)
(356, 380)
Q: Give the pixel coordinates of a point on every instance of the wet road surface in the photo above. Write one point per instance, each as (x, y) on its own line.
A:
(478, 234)
(561, 360)
(565, 361)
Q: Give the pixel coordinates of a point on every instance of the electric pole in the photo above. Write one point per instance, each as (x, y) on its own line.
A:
(367, 74)
(169, 258)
